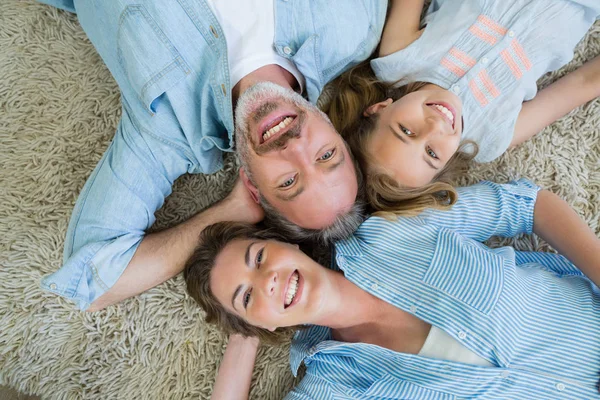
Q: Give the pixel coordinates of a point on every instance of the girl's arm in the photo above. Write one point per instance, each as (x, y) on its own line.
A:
(235, 373)
(556, 100)
(401, 27)
(559, 225)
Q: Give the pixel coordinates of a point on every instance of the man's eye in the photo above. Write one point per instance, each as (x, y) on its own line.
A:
(259, 257)
(406, 131)
(327, 155)
(288, 182)
(431, 153)
(246, 299)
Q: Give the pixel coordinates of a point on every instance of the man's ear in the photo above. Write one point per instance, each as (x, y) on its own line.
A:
(253, 190)
(375, 108)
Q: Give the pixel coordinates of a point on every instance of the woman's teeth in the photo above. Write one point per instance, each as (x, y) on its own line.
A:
(292, 289)
(285, 122)
(445, 111)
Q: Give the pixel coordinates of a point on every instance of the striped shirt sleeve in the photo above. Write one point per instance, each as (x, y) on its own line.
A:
(489, 209)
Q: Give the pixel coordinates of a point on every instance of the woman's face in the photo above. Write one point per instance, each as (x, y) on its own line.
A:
(269, 284)
(417, 134)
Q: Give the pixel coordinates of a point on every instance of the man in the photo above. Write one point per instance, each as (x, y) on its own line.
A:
(181, 67)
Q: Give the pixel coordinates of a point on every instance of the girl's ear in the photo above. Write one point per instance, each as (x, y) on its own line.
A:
(253, 190)
(375, 108)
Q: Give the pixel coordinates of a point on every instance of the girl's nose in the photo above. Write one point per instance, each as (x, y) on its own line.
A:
(270, 283)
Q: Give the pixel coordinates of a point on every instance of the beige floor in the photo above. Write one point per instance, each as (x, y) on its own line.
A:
(9, 394)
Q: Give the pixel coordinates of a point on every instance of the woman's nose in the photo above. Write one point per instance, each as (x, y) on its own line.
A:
(270, 282)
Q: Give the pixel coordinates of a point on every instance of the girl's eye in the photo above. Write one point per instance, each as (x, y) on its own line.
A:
(288, 182)
(246, 299)
(431, 153)
(406, 131)
(327, 155)
(259, 256)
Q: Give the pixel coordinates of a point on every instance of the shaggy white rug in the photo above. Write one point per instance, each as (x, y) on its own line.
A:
(59, 107)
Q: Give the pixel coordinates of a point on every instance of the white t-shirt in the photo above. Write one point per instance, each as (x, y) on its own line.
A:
(249, 27)
(442, 346)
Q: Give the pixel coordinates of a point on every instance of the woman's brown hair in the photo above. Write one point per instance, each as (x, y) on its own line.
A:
(197, 271)
(356, 90)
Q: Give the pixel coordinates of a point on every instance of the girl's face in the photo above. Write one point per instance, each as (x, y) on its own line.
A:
(269, 284)
(417, 134)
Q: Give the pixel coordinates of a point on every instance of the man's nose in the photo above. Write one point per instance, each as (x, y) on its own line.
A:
(269, 282)
(295, 149)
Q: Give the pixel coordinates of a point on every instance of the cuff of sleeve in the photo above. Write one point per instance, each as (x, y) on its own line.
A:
(524, 188)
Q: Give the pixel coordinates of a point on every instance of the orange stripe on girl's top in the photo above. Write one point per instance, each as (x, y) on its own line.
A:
(478, 93)
(492, 25)
(452, 67)
(512, 64)
(488, 84)
(463, 57)
(520, 52)
(481, 34)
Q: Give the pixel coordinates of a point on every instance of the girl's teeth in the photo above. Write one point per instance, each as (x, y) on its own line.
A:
(286, 121)
(445, 111)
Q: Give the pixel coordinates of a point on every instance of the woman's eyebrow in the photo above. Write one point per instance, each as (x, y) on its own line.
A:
(247, 255)
(237, 289)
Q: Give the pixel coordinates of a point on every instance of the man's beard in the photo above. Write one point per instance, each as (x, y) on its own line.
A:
(256, 103)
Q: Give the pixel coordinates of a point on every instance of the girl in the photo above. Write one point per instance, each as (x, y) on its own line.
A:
(463, 78)
(421, 309)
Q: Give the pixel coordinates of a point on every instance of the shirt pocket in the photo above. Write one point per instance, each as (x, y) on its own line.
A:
(149, 59)
(389, 387)
(466, 271)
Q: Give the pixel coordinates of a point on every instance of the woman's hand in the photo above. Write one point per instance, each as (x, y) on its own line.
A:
(235, 372)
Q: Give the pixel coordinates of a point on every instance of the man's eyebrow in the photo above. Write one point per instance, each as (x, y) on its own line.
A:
(237, 289)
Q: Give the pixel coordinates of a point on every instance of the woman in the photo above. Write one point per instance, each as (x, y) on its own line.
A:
(468, 76)
(517, 324)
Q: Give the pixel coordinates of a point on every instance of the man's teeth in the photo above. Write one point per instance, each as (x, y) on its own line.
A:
(445, 111)
(286, 121)
(292, 289)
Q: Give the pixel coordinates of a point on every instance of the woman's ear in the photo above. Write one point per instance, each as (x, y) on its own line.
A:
(253, 190)
(375, 108)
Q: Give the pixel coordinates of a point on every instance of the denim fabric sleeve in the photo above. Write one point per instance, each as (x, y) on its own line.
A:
(62, 4)
(489, 209)
(113, 211)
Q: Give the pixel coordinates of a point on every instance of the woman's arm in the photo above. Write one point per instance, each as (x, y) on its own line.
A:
(401, 27)
(556, 100)
(235, 371)
(559, 225)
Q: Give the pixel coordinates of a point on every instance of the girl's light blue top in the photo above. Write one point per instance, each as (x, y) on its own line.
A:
(533, 316)
(491, 53)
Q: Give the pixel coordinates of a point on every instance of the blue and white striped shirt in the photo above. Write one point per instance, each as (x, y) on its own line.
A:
(534, 316)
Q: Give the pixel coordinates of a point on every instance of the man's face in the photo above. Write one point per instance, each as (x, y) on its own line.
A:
(296, 159)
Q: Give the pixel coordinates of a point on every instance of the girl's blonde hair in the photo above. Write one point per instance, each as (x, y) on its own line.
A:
(354, 92)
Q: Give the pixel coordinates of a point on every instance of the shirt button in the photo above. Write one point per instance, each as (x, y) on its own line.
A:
(214, 31)
(484, 60)
(505, 374)
(462, 335)
(511, 33)
(413, 309)
(53, 286)
(456, 89)
(560, 387)
(287, 50)
(374, 286)
(224, 89)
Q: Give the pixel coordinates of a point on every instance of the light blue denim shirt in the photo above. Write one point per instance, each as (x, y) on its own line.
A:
(491, 53)
(170, 61)
(533, 316)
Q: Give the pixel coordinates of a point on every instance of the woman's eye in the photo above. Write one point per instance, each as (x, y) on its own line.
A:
(259, 257)
(327, 155)
(246, 299)
(431, 153)
(289, 182)
(406, 131)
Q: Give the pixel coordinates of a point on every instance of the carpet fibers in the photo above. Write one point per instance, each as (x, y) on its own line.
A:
(59, 107)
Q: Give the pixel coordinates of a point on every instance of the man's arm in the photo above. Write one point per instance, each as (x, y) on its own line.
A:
(235, 372)
(559, 225)
(401, 26)
(162, 255)
(556, 100)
